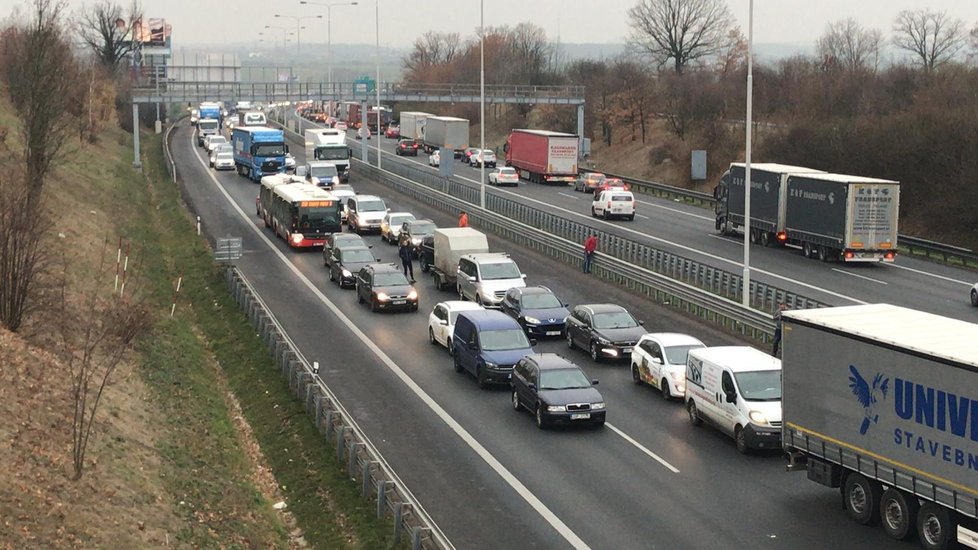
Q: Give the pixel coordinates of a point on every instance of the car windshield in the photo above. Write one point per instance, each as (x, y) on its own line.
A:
(322, 171)
(499, 271)
(676, 355)
(225, 156)
(617, 319)
(393, 278)
(270, 150)
(351, 255)
(395, 221)
(501, 340)
(372, 206)
(540, 301)
(333, 153)
(207, 124)
(563, 379)
(423, 228)
(760, 385)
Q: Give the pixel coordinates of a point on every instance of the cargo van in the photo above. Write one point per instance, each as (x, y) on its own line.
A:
(487, 343)
(737, 389)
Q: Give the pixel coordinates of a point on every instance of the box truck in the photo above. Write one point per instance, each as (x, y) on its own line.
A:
(832, 217)
(412, 125)
(542, 156)
(445, 132)
(440, 252)
(258, 151)
(329, 144)
(881, 402)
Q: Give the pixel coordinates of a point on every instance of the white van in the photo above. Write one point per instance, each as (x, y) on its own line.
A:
(614, 202)
(485, 277)
(738, 390)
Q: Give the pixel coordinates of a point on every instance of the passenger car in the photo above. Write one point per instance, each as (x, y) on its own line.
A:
(385, 287)
(365, 212)
(486, 276)
(346, 262)
(434, 159)
(536, 309)
(224, 147)
(289, 163)
(343, 194)
(485, 155)
(614, 203)
(390, 228)
(487, 344)
(587, 182)
(974, 295)
(393, 132)
(416, 231)
(504, 175)
(467, 154)
(406, 147)
(341, 125)
(441, 321)
(223, 160)
(335, 240)
(659, 360)
(211, 142)
(606, 331)
(556, 391)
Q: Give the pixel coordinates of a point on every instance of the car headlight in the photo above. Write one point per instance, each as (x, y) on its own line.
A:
(597, 406)
(336, 179)
(413, 295)
(415, 241)
(314, 179)
(346, 273)
(556, 408)
(297, 238)
(758, 417)
(604, 341)
(383, 297)
(531, 320)
(678, 377)
(491, 365)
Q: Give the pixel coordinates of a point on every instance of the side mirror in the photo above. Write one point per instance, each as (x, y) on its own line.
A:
(523, 276)
(731, 397)
(473, 346)
(657, 360)
(443, 322)
(641, 323)
(286, 148)
(565, 305)
(533, 341)
(532, 386)
(594, 382)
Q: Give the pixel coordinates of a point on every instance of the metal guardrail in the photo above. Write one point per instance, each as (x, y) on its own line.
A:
(364, 462)
(916, 246)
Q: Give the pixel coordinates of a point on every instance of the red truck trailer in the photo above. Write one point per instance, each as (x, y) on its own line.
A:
(542, 156)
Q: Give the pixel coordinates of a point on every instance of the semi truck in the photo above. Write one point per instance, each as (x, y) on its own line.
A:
(210, 110)
(445, 132)
(385, 119)
(329, 144)
(440, 252)
(412, 125)
(832, 217)
(881, 403)
(542, 156)
(251, 118)
(258, 151)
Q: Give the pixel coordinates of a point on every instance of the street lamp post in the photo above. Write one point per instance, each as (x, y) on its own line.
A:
(285, 33)
(747, 178)
(298, 29)
(329, 32)
(482, 106)
(377, 84)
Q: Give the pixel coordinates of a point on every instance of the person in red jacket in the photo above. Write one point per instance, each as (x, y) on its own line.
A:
(590, 244)
(463, 219)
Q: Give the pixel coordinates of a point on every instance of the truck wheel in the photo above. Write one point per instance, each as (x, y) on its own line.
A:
(741, 439)
(861, 498)
(806, 250)
(935, 526)
(694, 415)
(753, 236)
(765, 238)
(823, 253)
(898, 512)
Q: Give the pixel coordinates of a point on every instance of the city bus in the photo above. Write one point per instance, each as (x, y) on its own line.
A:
(299, 212)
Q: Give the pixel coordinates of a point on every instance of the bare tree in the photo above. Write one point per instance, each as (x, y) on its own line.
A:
(679, 30)
(432, 49)
(107, 32)
(931, 37)
(973, 42)
(848, 44)
(96, 333)
(529, 54)
(22, 259)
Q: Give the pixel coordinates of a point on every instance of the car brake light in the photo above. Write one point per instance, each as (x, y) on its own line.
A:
(782, 236)
(849, 255)
(889, 255)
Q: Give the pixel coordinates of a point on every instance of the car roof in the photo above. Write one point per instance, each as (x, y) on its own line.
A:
(489, 319)
(366, 197)
(344, 249)
(738, 358)
(602, 308)
(551, 361)
(489, 257)
(384, 268)
(673, 339)
(396, 214)
(538, 289)
(460, 305)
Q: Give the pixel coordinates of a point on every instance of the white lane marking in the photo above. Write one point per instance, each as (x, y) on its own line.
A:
(642, 216)
(844, 272)
(462, 433)
(642, 448)
(676, 210)
(568, 196)
(934, 275)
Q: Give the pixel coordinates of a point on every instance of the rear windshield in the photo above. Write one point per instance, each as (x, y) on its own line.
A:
(621, 198)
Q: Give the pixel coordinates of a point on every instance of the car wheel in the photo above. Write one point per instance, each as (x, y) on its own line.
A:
(570, 340)
(516, 402)
(935, 526)
(631, 217)
(456, 364)
(974, 298)
(480, 378)
(431, 337)
(636, 376)
(605, 215)
(741, 438)
(424, 264)
(478, 299)
(461, 295)
(861, 498)
(694, 415)
(594, 213)
(898, 512)
(541, 423)
(325, 263)
(664, 389)
(594, 353)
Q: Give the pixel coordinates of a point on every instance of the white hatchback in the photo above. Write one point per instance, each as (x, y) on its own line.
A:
(441, 321)
(659, 359)
(616, 203)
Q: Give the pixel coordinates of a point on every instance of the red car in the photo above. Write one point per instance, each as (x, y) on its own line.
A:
(406, 147)
(610, 183)
(393, 132)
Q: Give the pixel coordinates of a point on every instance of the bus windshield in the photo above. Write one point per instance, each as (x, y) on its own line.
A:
(207, 124)
(333, 153)
(268, 150)
(318, 218)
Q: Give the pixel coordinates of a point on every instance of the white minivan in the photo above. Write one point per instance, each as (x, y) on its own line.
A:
(614, 202)
(485, 277)
(738, 390)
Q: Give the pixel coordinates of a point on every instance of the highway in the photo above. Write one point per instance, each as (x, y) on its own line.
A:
(689, 231)
(486, 474)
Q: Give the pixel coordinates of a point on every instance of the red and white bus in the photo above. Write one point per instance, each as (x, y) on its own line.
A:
(299, 212)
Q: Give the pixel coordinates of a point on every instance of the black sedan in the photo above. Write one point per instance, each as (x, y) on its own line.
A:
(536, 309)
(606, 331)
(416, 231)
(556, 391)
(336, 240)
(406, 147)
(385, 287)
(346, 262)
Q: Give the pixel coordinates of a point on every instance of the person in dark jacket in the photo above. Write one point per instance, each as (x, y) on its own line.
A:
(404, 252)
(777, 331)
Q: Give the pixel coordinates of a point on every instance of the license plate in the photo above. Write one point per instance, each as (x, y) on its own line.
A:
(553, 333)
(626, 350)
(399, 302)
(580, 416)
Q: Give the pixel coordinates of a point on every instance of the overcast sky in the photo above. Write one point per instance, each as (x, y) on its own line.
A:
(588, 21)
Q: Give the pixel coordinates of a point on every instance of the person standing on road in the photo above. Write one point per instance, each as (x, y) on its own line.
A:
(404, 252)
(590, 244)
(463, 219)
(777, 331)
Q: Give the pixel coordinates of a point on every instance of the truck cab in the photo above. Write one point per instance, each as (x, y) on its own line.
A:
(321, 173)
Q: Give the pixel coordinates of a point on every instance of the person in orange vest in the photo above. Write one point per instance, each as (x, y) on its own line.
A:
(590, 244)
(463, 219)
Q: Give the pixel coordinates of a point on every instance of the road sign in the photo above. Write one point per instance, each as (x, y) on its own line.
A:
(364, 85)
(228, 249)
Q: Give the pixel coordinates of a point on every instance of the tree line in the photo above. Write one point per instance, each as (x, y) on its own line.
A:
(897, 104)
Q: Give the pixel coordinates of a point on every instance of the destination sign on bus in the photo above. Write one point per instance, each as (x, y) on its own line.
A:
(315, 204)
